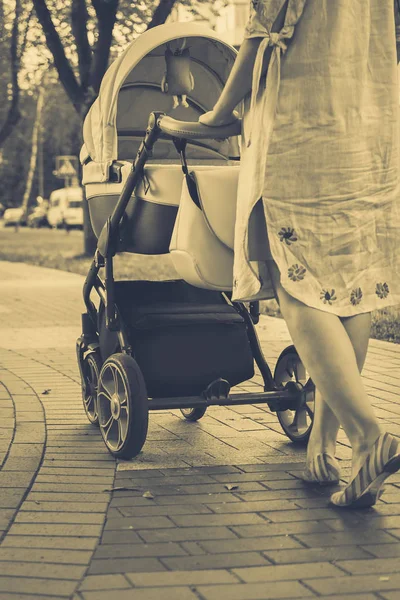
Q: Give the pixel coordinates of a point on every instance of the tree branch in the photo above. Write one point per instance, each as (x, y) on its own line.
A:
(64, 69)
(79, 19)
(106, 12)
(161, 13)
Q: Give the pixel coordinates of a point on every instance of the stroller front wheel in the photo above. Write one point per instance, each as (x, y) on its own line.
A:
(296, 424)
(122, 406)
(91, 367)
(193, 414)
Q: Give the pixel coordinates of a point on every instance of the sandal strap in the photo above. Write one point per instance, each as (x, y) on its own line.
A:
(385, 447)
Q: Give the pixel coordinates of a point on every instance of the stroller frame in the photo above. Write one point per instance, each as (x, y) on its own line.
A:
(291, 396)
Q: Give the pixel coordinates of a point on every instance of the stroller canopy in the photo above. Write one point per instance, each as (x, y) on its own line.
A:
(134, 86)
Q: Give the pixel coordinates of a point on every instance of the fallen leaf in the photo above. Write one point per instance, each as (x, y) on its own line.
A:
(230, 486)
(122, 489)
(148, 495)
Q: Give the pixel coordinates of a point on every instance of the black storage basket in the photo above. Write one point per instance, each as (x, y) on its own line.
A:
(183, 337)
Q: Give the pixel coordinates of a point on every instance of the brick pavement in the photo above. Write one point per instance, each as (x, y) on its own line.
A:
(229, 516)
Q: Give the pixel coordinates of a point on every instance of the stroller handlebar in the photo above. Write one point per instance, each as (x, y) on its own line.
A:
(196, 130)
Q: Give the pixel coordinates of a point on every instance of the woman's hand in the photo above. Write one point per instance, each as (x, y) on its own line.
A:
(215, 119)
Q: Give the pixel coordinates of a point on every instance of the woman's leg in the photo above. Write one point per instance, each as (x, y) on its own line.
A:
(326, 426)
(326, 350)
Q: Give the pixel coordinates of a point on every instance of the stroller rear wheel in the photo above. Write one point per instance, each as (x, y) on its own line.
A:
(91, 368)
(122, 406)
(193, 414)
(297, 424)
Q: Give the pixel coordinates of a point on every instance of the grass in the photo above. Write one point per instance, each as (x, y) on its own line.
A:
(58, 250)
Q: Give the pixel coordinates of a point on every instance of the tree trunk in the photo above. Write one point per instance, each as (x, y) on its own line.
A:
(34, 151)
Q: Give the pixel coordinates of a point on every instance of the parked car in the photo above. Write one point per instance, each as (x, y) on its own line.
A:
(14, 216)
(65, 208)
(38, 217)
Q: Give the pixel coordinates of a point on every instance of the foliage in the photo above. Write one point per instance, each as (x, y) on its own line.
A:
(79, 37)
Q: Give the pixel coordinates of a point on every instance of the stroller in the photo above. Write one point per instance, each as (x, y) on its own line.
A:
(157, 185)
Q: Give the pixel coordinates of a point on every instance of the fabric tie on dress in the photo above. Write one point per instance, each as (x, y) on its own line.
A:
(273, 77)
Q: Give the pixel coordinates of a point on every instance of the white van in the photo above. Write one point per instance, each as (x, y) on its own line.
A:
(65, 208)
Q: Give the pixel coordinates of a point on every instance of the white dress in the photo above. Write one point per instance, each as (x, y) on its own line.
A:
(321, 148)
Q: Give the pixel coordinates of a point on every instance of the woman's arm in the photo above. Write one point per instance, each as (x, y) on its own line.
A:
(238, 84)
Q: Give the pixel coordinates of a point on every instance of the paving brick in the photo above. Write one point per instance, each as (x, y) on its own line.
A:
(209, 489)
(7, 596)
(166, 480)
(251, 544)
(67, 497)
(255, 591)
(26, 450)
(43, 542)
(120, 537)
(186, 534)
(216, 561)
(30, 432)
(382, 550)
(107, 551)
(270, 529)
(269, 495)
(217, 520)
(269, 467)
(70, 488)
(151, 510)
(345, 538)
(173, 593)
(300, 515)
(354, 584)
(74, 507)
(70, 557)
(181, 578)
(304, 555)
(285, 573)
(59, 517)
(173, 500)
(105, 582)
(369, 566)
(11, 498)
(48, 570)
(138, 523)
(104, 482)
(192, 548)
(15, 480)
(259, 506)
(124, 565)
(55, 529)
(390, 595)
(98, 472)
(35, 585)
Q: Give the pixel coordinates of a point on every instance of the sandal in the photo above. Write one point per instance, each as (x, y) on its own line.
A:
(323, 469)
(366, 487)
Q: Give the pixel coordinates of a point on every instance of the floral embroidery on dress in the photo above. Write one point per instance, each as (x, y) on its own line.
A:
(287, 235)
(296, 272)
(382, 290)
(356, 296)
(328, 296)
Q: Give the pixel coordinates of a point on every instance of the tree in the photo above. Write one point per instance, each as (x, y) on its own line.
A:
(79, 35)
(13, 37)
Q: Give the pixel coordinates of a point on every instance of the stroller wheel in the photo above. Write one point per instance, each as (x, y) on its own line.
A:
(91, 368)
(193, 414)
(122, 406)
(297, 424)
